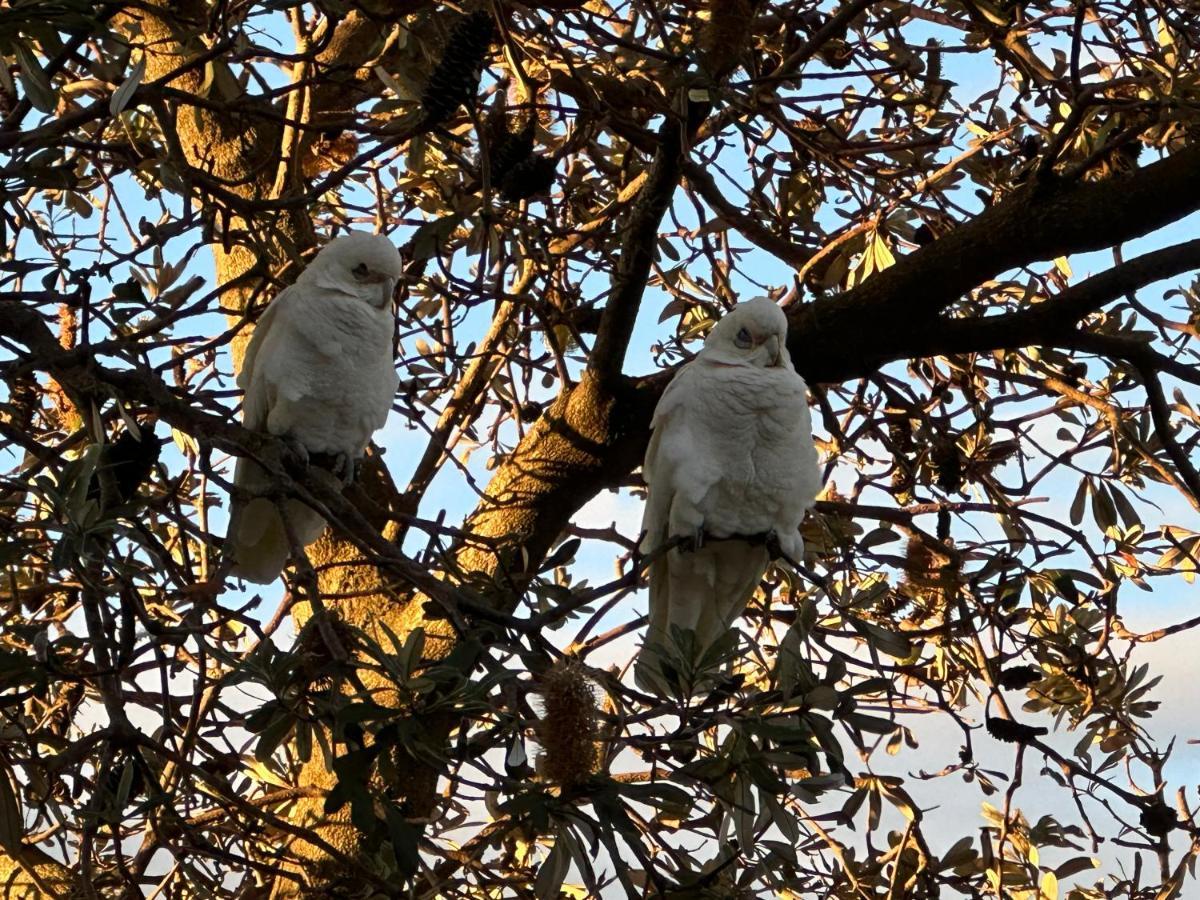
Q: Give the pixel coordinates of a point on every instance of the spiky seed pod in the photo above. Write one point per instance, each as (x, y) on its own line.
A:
(1017, 678)
(568, 727)
(836, 53)
(528, 178)
(1013, 732)
(726, 35)
(330, 151)
(930, 578)
(8, 93)
(902, 481)
(947, 463)
(1158, 819)
(510, 150)
(455, 79)
(933, 70)
(1120, 160)
(130, 459)
(901, 433)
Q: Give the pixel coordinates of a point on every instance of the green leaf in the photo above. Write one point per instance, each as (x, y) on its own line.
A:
(404, 838)
(122, 95)
(564, 554)
(552, 872)
(1076, 865)
(871, 724)
(12, 828)
(880, 638)
(273, 735)
(37, 86)
(1078, 503)
(427, 240)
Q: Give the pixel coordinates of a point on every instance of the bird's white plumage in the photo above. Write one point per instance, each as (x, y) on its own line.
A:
(319, 370)
(731, 453)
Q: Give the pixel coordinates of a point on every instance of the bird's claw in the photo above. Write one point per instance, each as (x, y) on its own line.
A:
(350, 469)
(773, 544)
(693, 542)
(346, 469)
(296, 453)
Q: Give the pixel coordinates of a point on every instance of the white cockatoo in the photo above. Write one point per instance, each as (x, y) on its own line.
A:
(731, 453)
(318, 372)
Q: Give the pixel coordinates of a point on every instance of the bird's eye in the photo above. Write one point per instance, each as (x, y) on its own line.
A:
(360, 271)
(743, 339)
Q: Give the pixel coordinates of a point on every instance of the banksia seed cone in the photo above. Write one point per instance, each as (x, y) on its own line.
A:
(455, 79)
(930, 578)
(1018, 678)
(329, 152)
(726, 35)
(528, 178)
(131, 460)
(568, 727)
(1158, 819)
(947, 463)
(509, 150)
(1013, 732)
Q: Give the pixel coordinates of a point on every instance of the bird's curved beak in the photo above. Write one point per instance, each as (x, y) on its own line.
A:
(386, 287)
(774, 349)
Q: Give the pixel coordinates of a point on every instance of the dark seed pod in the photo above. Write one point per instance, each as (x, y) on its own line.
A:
(1013, 732)
(725, 35)
(455, 79)
(130, 460)
(923, 235)
(1030, 146)
(1019, 677)
(947, 463)
(1158, 819)
(8, 99)
(510, 151)
(934, 87)
(528, 178)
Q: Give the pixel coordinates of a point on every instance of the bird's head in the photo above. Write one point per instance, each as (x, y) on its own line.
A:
(359, 264)
(752, 333)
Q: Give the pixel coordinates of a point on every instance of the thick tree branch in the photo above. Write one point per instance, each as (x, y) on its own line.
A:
(1057, 317)
(856, 332)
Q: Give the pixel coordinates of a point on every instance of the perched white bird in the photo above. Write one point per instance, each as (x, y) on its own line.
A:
(319, 372)
(731, 453)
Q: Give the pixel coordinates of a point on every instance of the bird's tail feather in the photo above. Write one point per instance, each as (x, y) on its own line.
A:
(258, 539)
(704, 591)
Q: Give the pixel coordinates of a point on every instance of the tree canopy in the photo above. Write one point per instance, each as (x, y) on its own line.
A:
(961, 204)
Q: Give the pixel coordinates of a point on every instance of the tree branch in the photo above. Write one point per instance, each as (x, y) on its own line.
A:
(854, 333)
(637, 254)
(1058, 316)
(1144, 361)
